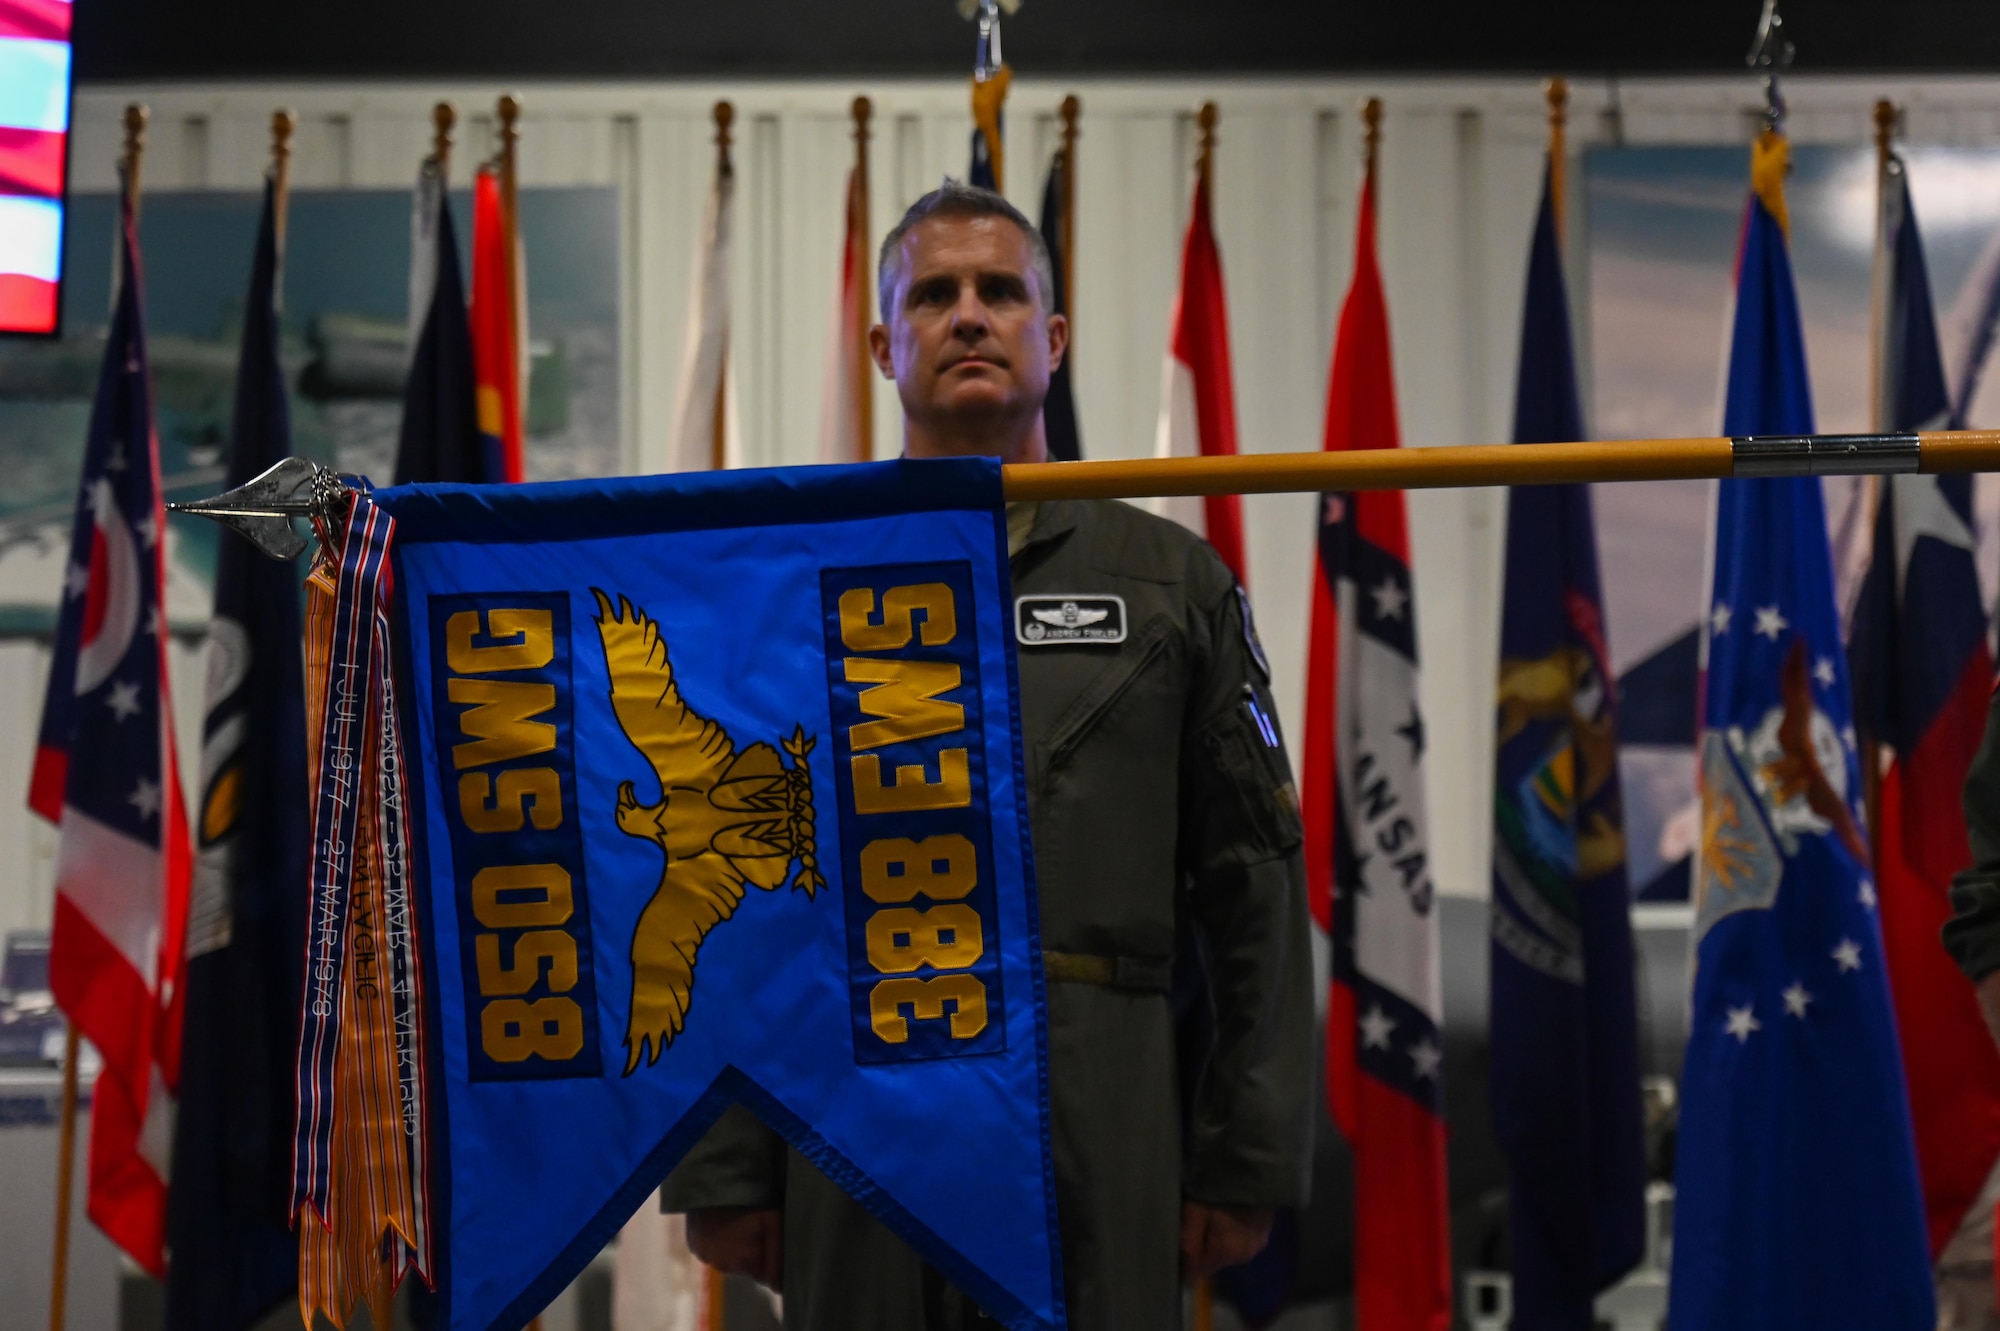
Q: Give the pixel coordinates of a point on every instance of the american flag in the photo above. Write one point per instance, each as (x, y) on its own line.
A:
(105, 773)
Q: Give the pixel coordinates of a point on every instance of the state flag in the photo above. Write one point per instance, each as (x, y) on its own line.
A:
(1564, 1010)
(1367, 846)
(498, 320)
(1922, 681)
(105, 773)
(1198, 392)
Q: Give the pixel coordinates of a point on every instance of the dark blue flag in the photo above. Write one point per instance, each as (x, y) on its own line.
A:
(1565, 1075)
(721, 800)
(440, 439)
(1797, 1204)
(1059, 410)
(234, 1255)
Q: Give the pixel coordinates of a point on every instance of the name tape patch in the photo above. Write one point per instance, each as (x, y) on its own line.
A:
(1068, 617)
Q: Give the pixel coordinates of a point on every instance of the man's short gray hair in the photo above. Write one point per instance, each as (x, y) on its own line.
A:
(955, 198)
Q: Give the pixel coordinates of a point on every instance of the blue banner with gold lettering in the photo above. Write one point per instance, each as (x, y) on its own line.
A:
(720, 798)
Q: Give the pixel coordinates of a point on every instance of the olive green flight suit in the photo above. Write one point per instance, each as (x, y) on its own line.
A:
(1162, 807)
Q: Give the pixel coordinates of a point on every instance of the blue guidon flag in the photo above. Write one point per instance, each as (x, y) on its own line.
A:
(1797, 1203)
(718, 797)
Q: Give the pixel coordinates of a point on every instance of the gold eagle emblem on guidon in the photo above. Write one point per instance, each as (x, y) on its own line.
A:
(724, 819)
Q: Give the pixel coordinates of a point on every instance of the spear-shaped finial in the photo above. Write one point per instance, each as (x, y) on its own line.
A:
(1772, 53)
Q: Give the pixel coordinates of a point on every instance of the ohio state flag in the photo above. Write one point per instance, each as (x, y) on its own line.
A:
(1367, 852)
(105, 774)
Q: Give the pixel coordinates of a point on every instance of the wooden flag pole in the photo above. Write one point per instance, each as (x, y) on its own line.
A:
(65, 1176)
(1507, 464)
(1204, 1305)
(1869, 749)
(1072, 109)
(862, 259)
(714, 1286)
(1885, 131)
(1556, 90)
(283, 124)
(443, 117)
(509, 115)
(509, 118)
(725, 166)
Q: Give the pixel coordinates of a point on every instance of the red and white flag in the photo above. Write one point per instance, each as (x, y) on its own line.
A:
(846, 421)
(105, 774)
(1367, 845)
(1198, 397)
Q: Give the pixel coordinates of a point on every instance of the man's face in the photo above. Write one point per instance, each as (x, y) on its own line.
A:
(968, 334)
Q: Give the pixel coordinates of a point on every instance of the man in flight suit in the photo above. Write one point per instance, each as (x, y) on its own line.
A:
(1163, 814)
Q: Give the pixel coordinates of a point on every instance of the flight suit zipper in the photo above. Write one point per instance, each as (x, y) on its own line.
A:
(1095, 702)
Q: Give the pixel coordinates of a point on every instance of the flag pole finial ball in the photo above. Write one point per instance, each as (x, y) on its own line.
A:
(1886, 116)
(443, 117)
(1556, 90)
(136, 116)
(863, 111)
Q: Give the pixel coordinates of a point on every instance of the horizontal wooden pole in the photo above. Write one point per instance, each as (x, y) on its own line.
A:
(1946, 451)
(1478, 465)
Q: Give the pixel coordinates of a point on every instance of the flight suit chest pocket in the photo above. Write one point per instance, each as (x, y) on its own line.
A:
(1090, 707)
(1257, 814)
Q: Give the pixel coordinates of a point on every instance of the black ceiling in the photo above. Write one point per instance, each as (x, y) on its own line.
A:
(189, 39)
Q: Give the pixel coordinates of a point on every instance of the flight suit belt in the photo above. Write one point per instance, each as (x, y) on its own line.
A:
(1146, 975)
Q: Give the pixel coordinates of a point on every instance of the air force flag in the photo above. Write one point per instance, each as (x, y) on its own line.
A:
(1797, 1204)
(720, 798)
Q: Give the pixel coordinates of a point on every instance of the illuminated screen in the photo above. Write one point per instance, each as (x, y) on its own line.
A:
(34, 135)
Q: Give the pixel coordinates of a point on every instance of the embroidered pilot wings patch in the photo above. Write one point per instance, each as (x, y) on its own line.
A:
(1069, 617)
